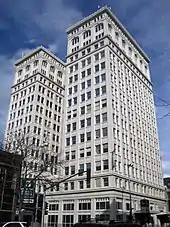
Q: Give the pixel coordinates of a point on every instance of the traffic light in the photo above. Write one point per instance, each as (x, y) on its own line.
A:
(88, 177)
(46, 208)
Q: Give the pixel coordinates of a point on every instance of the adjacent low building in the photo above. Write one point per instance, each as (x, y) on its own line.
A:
(10, 170)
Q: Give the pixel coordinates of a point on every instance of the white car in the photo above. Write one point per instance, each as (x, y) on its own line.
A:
(15, 224)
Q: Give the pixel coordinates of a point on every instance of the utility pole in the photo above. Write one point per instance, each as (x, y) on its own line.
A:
(36, 206)
(130, 194)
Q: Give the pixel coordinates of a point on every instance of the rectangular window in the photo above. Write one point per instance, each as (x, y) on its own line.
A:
(89, 83)
(81, 184)
(67, 170)
(96, 57)
(105, 147)
(98, 165)
(74, 126)
(83, 85)
(98, 149)
(97, 79)
(105, 132)
(97, 133)
(83, 97)
(103, 90)
(104, 117)
(89, 95)
(105, 164)
(96, 68)
(97, 92)
(89, 72)
(73, 170)
(82, 139)
(83, 110)
(73, 155)
(73, 140)
(82, 123)
(97, 119)
(106, 182)
(103, 77)
(102, 65)
(88, 122)
(88, 136)
(88, 108)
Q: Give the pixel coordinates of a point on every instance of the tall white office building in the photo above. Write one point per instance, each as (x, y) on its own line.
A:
(110, 125)
(36, 106)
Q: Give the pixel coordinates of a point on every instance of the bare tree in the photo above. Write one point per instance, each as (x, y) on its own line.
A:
(39, 164)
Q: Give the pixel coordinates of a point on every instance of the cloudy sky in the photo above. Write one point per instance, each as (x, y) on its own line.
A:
(25, 25)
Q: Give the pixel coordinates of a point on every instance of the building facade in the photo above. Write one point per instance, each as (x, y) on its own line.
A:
(167, 191)
(110, 125)
(36, 106)
(10, 173)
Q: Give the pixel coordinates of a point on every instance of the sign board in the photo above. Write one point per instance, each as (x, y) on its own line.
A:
(28, 190)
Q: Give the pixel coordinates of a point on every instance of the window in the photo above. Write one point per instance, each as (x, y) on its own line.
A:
(99, 27)
(88, 60)
(66, 170)
(27, 68)
(105, 165)
(83, 63)
(70, 80)
(88, 122)
(104, 132)
(52, 220)
(104, 117)
(52, 69)
(97, 92)
(85, 206)
(83, 97)
(72, 185)
(81, 184)
(96, 56)
(102, 54)
(89, 83)
(89, 108)
(82, 139)
(105, 147)
(96, 68)
(97, 119)
(103, 90)
(73, 155)
(89, 95)
(44, 63)
(82, 123)
(97, 133)
(103, 77)
(82, 156)
(87, 34)
(105, 181)
(102, 65)
(73, 170)
(75, 77)
(97, 79)
(68, 206)
(75, 100)
(104, 103)
(73, 140)
(102, 205)
(67, 141)
(88, 136)
(83, 74)
(83, 110)
(75, 88)
(98, 165)
(89, 72)
(83, 85)
(54, 206)
(98, 149)
(68, 220)
(67, 156)
(75, 40)
(65, 186)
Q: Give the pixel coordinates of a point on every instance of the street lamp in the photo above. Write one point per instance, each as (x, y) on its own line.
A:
(130, 195)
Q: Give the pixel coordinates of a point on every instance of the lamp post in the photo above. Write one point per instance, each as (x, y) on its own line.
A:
(130, 195)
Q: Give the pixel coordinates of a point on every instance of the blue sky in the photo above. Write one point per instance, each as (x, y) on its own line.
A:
(25, 25)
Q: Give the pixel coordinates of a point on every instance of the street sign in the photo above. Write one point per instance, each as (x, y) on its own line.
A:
(28, 191)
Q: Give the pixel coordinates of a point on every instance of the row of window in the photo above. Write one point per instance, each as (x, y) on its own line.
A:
(86, 51)
(87, 96)
(97, 67)
(72, 140)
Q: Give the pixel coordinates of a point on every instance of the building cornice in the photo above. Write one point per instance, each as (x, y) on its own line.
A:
(118, 23)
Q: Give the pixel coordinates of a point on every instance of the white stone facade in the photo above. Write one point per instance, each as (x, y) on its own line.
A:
(36, 106)
(110, 122)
